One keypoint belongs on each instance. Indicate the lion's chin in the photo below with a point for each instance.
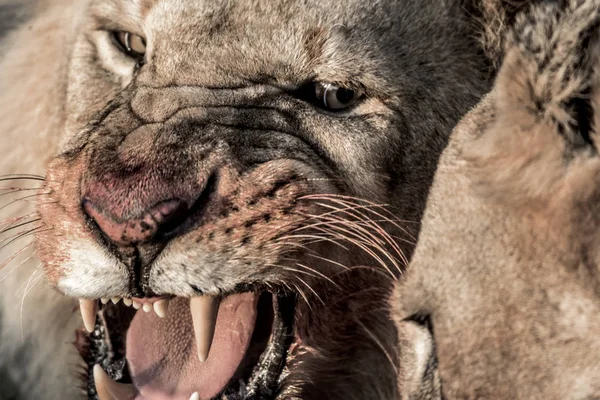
(199, 348)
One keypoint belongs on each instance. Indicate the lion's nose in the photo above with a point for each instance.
(151, 225)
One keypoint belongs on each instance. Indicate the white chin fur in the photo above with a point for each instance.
(92, 272)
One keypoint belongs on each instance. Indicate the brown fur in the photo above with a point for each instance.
(502, 297)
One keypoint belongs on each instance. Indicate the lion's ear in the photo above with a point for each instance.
(494, 17)
(546, 103)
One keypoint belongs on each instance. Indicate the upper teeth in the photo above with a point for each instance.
(204, 310)
(89, 307)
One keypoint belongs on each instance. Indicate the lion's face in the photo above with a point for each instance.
(502, 297)
(223, 164)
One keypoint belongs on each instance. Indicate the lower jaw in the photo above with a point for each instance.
(258, 376)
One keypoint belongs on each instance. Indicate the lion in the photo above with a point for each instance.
(249, 175)
(502, 297)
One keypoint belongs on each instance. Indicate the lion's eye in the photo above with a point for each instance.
(335, 98)
(133, 45)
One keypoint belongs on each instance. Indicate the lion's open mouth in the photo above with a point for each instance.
(234, 347)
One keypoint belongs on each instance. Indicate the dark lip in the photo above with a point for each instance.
(257, 380)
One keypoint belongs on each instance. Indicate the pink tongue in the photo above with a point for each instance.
(162, 353)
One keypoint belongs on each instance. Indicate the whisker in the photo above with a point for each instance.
(20, 188)
(282, 282)
(303, 295)
(23, 198)
(387, 240)
(311, 289)
(300, 246)
(311, 217)
(318, 238)
(25, 293)
(327, 221)
(319, 274)
(365, 244)
(16, 267)
(22, 286)
(380, 345)
(365, 218)
(369, 251)
(16, 254)
(15, 234)
(15, 190)
(19, 225)
(28, 233)
(291, 269)
(306, 242)
(355, 212)
(9, 221)
(329, 261)
(47, 202)
(366, 267)
(341, 199)
(359, 293)
(20, 177)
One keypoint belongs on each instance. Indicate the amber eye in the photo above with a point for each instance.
(131, 44)
(336, 98)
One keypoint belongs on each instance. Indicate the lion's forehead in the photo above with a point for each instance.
(191, 21)
(289, 39)
(270, 14)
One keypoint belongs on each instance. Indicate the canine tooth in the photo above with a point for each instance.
(147, 307)
(160, 308)
(104, 300)
(88, 314)
(195, 396)
(204, 311)
(137, 305)
(110, 390)
(115, 300)
(128, 302)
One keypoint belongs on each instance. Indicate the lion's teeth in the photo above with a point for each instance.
(115, 300)
(88, 313)
(160, 308)
(195, 396)
(110, 390)
(104, 300)
(147, 307)
(204, 311)
(137, 305)
(128, 302)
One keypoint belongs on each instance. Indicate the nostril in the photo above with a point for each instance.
(169, 215)
(162, 218)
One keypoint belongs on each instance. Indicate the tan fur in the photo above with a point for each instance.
(502, 297)
(29, 141)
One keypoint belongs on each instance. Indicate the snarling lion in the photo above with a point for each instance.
(249, 173)
(502, 297)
